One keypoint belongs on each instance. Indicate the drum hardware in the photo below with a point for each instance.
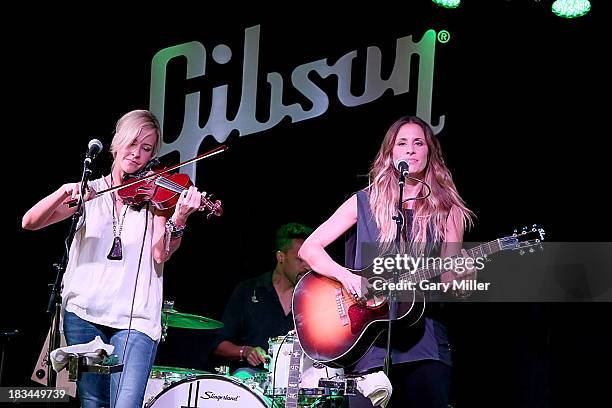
(223, 370)
(77, 365)
(341, 385)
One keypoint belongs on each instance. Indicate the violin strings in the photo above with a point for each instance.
(167, 183)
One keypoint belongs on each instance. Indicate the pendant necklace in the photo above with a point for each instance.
(116, 251)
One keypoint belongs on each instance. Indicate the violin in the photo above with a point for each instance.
(163, 192)
(161, 189)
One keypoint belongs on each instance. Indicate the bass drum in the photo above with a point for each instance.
(209, 390)
(162, 377)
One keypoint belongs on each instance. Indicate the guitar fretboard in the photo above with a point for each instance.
(293, 385)
(434, 267)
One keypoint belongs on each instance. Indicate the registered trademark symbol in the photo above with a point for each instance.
(443, 36)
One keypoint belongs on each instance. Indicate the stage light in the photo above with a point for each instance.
(447, 3)
(571, 8)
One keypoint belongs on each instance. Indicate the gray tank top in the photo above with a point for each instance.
(429, 341)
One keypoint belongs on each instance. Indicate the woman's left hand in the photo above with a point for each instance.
(463, 272)
(189, 202)
(466, 270)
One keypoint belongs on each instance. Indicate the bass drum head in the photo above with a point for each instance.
(209, 390)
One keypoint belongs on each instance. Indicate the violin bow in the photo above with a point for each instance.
(210, 153)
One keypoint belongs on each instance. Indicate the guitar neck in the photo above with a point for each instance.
(435, 267)
(293, 383)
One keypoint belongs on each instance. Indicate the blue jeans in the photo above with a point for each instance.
(95, 390)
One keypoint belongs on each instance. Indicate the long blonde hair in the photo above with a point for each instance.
(429, 214)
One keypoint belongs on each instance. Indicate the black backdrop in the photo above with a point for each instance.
(518, 86)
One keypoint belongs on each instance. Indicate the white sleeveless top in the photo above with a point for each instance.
(100, 290)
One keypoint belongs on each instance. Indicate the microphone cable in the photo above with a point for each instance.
(144, 237)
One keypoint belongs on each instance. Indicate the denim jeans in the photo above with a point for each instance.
(96, 390)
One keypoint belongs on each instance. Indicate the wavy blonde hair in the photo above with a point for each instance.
(429, 214)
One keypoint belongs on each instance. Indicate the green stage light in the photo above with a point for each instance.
(571, 8)
(447, 3)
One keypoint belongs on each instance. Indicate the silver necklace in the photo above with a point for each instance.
(116, 251)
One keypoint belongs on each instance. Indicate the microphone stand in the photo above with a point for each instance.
(392, 297)
(54, 306)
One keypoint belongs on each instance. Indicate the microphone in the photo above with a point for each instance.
(402, 166)
(93, 148)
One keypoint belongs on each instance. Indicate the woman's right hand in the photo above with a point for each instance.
(72, 191)
(354, 284)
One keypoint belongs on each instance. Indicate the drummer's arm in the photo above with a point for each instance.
(228, 350)
(234, 323)
(253, 355)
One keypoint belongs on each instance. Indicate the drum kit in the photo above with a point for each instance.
(290, 378)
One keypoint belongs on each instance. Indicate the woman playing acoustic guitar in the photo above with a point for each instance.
(421, 372)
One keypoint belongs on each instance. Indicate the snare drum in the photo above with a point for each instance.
(209, 390)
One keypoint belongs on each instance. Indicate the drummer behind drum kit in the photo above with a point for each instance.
(292, 379)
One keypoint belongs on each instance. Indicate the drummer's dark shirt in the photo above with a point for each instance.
(254, 314)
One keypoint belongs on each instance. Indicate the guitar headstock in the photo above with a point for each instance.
(208, 204)
(525, 240)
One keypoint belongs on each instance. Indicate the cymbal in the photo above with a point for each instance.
(172, 318)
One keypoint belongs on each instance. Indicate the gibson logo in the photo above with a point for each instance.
(211, 395)
(219, 125)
